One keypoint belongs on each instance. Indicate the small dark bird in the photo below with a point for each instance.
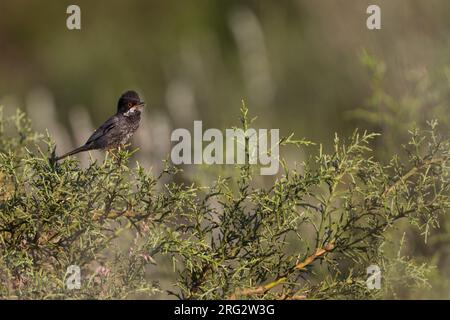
(118, 129)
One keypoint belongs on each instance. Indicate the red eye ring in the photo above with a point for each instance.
(129, 105)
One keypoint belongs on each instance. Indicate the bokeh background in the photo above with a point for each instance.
(296, 63)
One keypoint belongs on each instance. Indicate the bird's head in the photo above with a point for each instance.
(130, 102)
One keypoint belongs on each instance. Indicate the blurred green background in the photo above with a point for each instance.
(295, 62)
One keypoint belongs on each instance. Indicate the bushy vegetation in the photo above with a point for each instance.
(393, 113)
(311, 234)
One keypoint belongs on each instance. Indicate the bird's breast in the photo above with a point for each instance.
(131, 124)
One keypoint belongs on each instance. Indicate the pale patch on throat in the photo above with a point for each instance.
(133, 110)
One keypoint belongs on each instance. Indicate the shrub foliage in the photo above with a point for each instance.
(311, 233)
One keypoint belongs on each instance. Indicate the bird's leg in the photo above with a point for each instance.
(110, 151)
(119, 157)
(115, 154)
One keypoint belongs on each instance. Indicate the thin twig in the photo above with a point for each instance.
(412, 172)
(281, 279)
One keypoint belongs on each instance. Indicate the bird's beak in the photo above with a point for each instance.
(140, 105)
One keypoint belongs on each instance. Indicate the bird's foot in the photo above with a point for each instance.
(115, 155)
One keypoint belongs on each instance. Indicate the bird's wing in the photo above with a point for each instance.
(103, 129)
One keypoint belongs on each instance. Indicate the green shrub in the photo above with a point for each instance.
(393, 111)
(311, 234)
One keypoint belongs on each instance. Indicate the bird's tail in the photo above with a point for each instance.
(75, 151)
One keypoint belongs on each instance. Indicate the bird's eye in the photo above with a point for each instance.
(129, 105)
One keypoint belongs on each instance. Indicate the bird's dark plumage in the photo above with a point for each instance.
(118, 129)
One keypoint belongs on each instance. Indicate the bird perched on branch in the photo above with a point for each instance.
(117, 130)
